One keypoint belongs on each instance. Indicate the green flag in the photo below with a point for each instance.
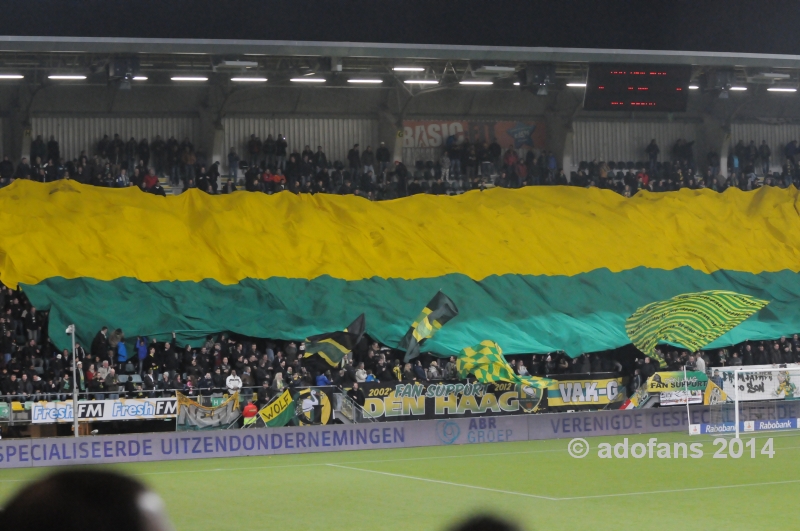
(279, 412)
(334, 346)
(486, 362)
(693, 319)
(432, 317)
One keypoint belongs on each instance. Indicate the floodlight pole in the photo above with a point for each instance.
(686, 391)
(71, 331)
(736, 400)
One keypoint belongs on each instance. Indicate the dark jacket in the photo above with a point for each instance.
(367, 158)
(353, 158)
(382, 155)
(99, 346)
(111, 383)
(357, 395)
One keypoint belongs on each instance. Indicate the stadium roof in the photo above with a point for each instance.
(711, 32)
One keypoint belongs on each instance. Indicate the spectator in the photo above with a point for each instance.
(233, 383)
(647, 368)
(451, 370)
(700, 364)
(254, 150)
(764, 153)
(53, 151)
(324, 378)
(233, 163)
(354, 160)
(33, 324)
(278, 383)
(357, 395)
(100, 343)
(270, 150)
(112, 384)
(103, 370)
(433, 371)
(652, 152)
(361, 373)
(368, 160)
(419, 372)
(280, 152)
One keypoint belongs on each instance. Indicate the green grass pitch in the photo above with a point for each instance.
(535, 483)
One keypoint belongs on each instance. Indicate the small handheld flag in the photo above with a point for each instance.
(432, 317)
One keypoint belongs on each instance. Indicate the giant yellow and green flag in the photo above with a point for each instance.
(538, 269)
(485, 361)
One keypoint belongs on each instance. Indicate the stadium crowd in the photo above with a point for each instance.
(32, 369)
(749, 167)
(270, 166)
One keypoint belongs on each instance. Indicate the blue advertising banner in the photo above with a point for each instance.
(749, 426)
(17, 453)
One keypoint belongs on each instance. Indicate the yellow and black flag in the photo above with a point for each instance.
(434, 316)
(332, 347)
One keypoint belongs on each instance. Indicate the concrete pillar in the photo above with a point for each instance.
(724, 150)
(713, 135)
(566, 155)
(17, 127)
(25, 139)
(399, 139)
(206, 142)
(559, 138)
(16, 136)
(218, 151)
(390, 129)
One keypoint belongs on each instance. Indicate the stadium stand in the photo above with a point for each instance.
(161, 167)
(32, 369)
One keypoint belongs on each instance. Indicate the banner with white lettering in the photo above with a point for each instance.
(782, 384)
(437, 400)
(100, 410)
(675, 398)
(575, 392)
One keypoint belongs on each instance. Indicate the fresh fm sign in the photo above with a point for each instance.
(101, 410)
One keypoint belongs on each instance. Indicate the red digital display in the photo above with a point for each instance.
(652, 88)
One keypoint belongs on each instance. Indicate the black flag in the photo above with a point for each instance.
(332, 347)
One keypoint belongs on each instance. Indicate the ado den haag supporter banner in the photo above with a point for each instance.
(98, 410)
(578, 393)
(435, 133)
(672, 381)
(407, 401)
(401, 401)
(777, 385)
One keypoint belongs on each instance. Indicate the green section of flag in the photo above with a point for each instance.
(433, 316)
(334, 346)
(523, 313)
(693, 319)
(486, 362)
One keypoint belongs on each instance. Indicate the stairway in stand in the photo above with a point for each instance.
(168, 188)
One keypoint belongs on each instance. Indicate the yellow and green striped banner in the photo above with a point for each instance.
(692, 320)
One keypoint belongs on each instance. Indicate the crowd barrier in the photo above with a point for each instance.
(20, 453)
